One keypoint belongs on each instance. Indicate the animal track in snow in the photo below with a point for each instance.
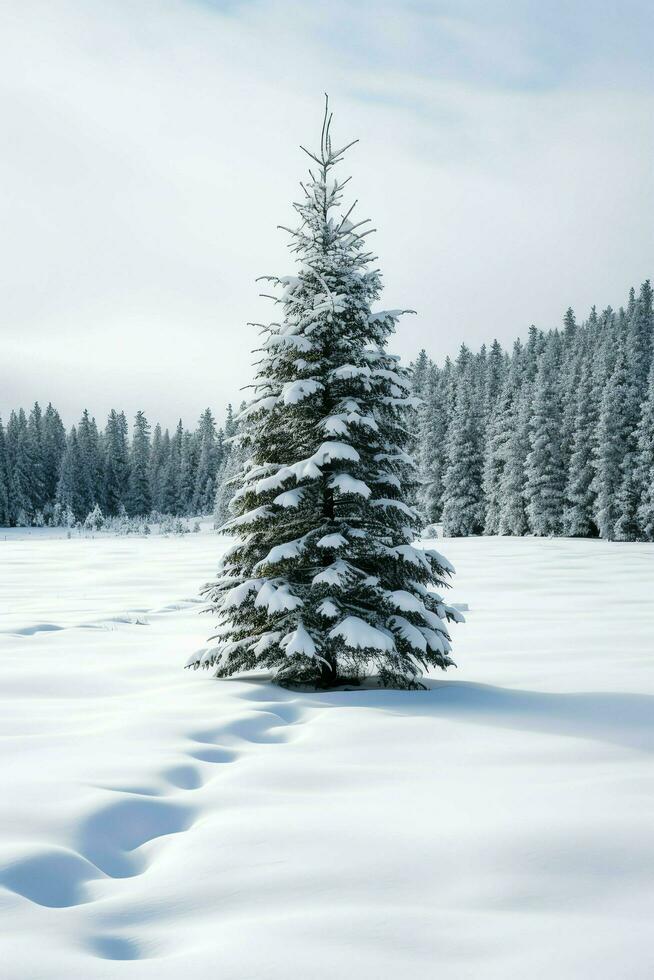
(109, 947)
(111, 838)
(212, 753)
(184, 776)
(51, 876)
(110, 843)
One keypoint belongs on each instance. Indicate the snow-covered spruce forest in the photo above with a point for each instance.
(555, 437)
(105, 478)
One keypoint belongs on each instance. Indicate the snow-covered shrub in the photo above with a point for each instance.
(167, 525)
(94, 520)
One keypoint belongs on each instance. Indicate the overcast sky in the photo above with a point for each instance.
(150, 149)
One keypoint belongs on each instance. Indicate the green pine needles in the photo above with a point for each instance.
(323, 585)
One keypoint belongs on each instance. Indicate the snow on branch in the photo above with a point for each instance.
(357, 634)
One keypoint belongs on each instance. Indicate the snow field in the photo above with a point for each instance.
(159, 823)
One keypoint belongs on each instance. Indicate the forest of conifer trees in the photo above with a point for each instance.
(554, 438)
(51, 477)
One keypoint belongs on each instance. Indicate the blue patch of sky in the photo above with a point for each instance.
(507, 44)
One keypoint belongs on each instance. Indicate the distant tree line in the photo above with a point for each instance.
(50, 476)
(554, 438)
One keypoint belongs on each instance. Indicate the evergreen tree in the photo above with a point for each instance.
(4, 479)
(170, 471)
(612, 439)
(156, 463)
(34, 452)
(569, 378)
(569, 327)
(324, 584)
(186, 482)
(230, 476)
(463, 507)
(71, 490)
(639, 332)
(498, 435)
(495, 375)
(139, 499)
(116, 463)
(645, 464)
(234, 458)
(579, 512)
(18, 455)
(204, 490)
(532, 352)
(640, 329)
(162, 490)
(90, 489)
(94, 520)
(420, 373)
(54, 446)
(432, 444)
(513, 513)
(544, 473)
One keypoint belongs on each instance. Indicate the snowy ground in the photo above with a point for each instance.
(160, 824)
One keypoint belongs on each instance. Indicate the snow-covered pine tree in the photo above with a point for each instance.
(463, 503)
(545, 478)
(35, 460)
(612, 441)
(54, 446)
(94, 520)
(156, 462)
(533, 349)
(495, 375)
(569, 374)
(420, 373)
(139, 499)
(166, 497)
(16, 441)
(323, 584)
(569, 327)
(513, 514)
(415, 416)
(645, 466)
(638, 356)
(431, 447)
(116, 462)
(204, 491)
(235, 456)
(579, 511)
(90, 489)
(71, 494)
(640, 330)
(498, 435)
(186, 476)
(4, 479)
(170, 478)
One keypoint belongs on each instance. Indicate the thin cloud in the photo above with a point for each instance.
(151, 151)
